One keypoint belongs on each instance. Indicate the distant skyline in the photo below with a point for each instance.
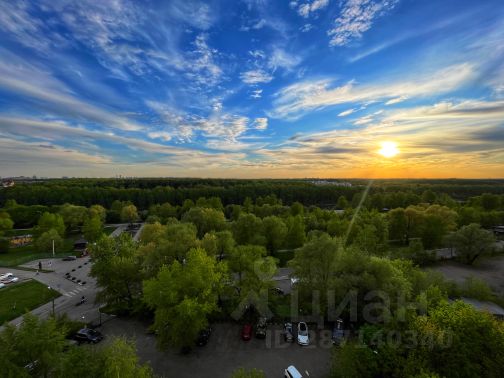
(252, 88)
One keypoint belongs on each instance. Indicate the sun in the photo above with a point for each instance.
(388, 149)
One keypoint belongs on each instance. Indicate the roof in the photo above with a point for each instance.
(81, 241)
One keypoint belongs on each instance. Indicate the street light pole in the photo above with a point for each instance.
(52, 299)
(53, 248)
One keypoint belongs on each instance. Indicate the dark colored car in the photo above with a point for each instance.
(246, 333)
(287, 333)
(260, 331)
(69, 258)
(203, 336)
(88, 335)
(338, 334)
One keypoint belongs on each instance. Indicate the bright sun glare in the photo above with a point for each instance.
(388, 149)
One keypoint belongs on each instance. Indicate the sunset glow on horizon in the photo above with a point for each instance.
(252, 89)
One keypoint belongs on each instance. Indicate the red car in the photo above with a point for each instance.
(246, 333)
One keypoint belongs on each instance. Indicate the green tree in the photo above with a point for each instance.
(117, 358)
(337, 226)
(44, 242)
(73, 216)
(116, 267)
(99, 211)
(50, 221)
(315, 265)
(295, 232)
(6, 222)
(129, 214)
(205, 219)
(275, 232)
(152, 233)
(248, 229)
(297, 208)
(342, 203)
(177, 240)
(35, 341)
(93, 228)
(120, 360)
(398, 224)
(183, 295)
(471, 242)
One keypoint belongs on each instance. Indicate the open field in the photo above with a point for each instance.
(18, 298)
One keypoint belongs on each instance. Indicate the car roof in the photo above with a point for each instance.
(294, 372)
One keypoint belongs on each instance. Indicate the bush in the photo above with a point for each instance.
(4, 245)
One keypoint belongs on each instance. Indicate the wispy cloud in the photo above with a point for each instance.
(256, 77)
(299, 98)
(306, 9)
(357, 17)
(261, 123)
(346, 112)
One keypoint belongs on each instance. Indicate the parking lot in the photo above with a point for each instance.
(225, 352)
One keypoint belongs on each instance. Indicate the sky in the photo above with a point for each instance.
(252, 88)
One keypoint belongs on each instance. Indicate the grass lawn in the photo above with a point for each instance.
(21, 255)
(16, 299)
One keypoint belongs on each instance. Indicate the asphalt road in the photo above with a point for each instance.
(226, 352)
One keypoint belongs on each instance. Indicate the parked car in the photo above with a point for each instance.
(287, 332)
(292, 372)
(69, 258)
(8, 278)
(203, 336)
(278, 291)
(246, 333)
(88, 335)
(338, 334)
(303, 337)
(260, 331)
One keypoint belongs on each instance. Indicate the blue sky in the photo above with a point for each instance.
(252, 88)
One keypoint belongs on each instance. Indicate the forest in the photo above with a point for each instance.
(211, 246)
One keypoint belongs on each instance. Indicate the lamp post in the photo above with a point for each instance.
(52, 298)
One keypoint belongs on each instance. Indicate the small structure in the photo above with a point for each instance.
(80, 245)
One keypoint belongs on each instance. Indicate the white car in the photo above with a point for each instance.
(292, 372)
(303, 336)
(8, 278)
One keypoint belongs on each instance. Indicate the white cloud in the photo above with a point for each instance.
(20, 77)
(306, 28)
(261, 123)
(256, 77)
(396, 100)
(356, 17)
(346, 112)
(294, 100)
(256, 93)
(163, 135)
(279, 58)
(307, 8)
(258, 54)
